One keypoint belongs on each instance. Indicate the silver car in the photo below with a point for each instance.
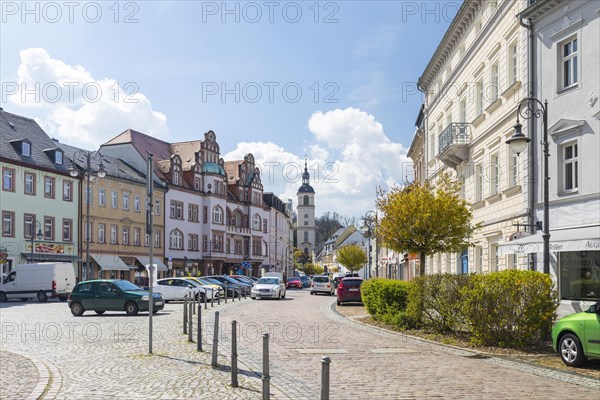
(322, 284)
(270, 287)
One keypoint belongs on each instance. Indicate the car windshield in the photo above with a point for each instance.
(320, 279)
(193, 282)
(294, 279)
(127, 286)
(268, 281)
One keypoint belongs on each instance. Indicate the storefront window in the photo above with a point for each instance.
(579, 275)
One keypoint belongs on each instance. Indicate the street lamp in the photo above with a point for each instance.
(74, 171)
(370, 219)
(39, 235)
(533, 108)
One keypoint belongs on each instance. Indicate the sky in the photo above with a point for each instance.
(332, 82)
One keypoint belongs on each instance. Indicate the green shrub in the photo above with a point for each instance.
(509, 308)
(386, 300)
(436, 303)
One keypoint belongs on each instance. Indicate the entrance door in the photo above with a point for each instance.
(464, 259)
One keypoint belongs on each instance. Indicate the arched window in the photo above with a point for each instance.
(176, 239)
(256, 223)
(306, 236)
(305, 199)
(217, 215)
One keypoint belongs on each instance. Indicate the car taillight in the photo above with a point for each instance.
(53, 286)
(328, 285)
(340, 286)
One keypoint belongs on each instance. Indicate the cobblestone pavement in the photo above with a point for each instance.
(106, 357)
(19, 376)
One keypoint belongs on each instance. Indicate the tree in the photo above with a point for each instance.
(352, 257)
(312, 269)
(425, 218)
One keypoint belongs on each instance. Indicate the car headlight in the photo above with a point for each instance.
(145, 298)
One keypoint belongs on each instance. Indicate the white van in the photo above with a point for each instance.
(41, 280)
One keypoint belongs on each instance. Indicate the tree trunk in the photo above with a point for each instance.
(422, 264)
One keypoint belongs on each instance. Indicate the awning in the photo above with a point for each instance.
(145, 261)
(109, 262)
(50, 257)
(576, 239)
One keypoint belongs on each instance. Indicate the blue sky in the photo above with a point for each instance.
(328, 80)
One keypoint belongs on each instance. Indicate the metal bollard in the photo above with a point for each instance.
(226, 290)
(266, 378)
(234, 369)
(219, 297)
(191, 320)
(185, 314)
(215, 344)
(199, 337)
(206, 298)
(240, 293)
(194, 304)
(325, 361)
(212, 300)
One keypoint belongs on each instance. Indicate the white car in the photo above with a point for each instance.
(177, 288)
(322, 284)
(268, 287)
(205, 290)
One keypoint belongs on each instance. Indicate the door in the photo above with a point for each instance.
(9, 285)
(108, 297)
(464, 261)
(164, 287)
(592, 332)
(86, 295)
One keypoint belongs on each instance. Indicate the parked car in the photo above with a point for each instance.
(348, 291)
(322, 284)
(175, 289)
(244, 279)
(210, 285)
(208, 291)
(231, 282)
(306, 281)
(112, 295)
(576, 337)
(231, 290)
(41, 280)
(294, 282)
(268, 287)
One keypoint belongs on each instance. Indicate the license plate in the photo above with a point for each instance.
(353, 290)
(158, 303)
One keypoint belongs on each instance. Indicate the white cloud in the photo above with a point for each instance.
(352, 156)
(76, 108)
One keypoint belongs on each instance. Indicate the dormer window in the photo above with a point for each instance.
(58, 157)
(26, 149)
(176, 177)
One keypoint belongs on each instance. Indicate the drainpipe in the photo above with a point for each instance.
(531, 127)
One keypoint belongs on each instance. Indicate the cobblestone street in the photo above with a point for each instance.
(47, 352)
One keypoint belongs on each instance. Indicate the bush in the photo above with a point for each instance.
(436, 303)
(386, 300)
(509, 308)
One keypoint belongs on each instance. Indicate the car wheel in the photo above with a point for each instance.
(3, 298)
(99, 312)
(155, 311)
(311, 292)
(77, 309)
(200, 297)
(571, 352)
(42, 297)
(283, 297)
(131, 308)
(279, 295)
(24, 299)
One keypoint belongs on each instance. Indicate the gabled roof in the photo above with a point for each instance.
(14, 129)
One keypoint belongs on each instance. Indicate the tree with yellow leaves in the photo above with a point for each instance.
(351, 257)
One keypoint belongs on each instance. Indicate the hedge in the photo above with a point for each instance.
(386, 300)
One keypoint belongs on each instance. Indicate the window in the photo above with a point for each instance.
(494, 174)
(136, 236)
(479, 98)
(175, 177)
(569, 59)
(125, 236)
(204, 243)
(8, 179)
(67, 227)
(217, 215)
(197, 183)
(114, 199)
(157, 241)
(89, 196)
(58, 157)
(67, 190)
(136, 203)
(494, 82)
(512, 64)
(49, 228)
(29, 226)
(113, 234)
(126, 201)
(176, 209)
(48, 187)
(25, 149)
(462, 111)
(101, 237)
(570, 167)
(256, 222)
(579, 275)
(512, 261)
(205, 214)
(157, 207)
(513, 169)
(306, 236)
(8, 224)
(306, 200)
(265, 226)
(193, 212)
(146, 240)
(192, 242)
(493, 255)
(305, 223)
(102, 197)
(87, 230)
(478, 182)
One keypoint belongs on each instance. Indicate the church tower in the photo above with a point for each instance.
(305, 224)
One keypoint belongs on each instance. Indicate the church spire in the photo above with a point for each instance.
(305, 175)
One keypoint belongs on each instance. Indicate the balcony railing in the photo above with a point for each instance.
(238, 229)
(453, 143)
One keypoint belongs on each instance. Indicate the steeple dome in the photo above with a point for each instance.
(306, 188)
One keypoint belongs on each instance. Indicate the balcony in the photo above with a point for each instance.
(454, 144)
(240, 230)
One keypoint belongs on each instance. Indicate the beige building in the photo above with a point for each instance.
(472, 86)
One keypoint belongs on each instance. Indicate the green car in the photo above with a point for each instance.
(111, 295)
(576, 337)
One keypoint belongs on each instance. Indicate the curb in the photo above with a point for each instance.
(49, 377)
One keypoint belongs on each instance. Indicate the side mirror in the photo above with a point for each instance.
(190, 286)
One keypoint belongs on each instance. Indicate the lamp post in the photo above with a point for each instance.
(370, 222)
(74, 170)
(533, 108)
(39, 235)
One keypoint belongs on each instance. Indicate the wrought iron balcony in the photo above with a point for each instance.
(453, 144)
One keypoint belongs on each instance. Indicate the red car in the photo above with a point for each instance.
(348, 291)
(294, 282)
